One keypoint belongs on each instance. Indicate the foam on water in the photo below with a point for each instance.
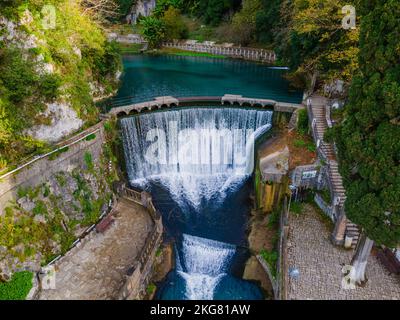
(194, 153)
(198, 155)
(204, 263)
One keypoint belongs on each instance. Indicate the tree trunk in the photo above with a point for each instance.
(360, 259)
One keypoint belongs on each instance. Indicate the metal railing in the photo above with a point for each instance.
(58, 146)
(142, 198)
(327, 209)
(242, 52)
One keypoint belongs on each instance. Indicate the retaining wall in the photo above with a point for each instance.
(40, 168)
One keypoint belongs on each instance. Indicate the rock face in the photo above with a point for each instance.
(51, 215)
(141, 8)
(64, 121)
(68, 80)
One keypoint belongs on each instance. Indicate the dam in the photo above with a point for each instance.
(193, 161)
(197, 163)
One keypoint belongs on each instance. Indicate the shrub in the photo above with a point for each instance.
(299, 143)
(296, 208)
(302, 124)
(40, 208)
(91, 137)
(175, 27)
(153, 30)
(151, 288)
(311, 147)
(274, 218)
(88, 161)
(271, 257)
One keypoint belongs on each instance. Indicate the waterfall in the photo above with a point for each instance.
(198, 155)
(195, 153)
(204, 263)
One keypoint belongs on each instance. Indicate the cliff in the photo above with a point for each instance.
(54, 60)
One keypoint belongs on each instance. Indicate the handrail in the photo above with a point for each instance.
(142, 198)
(235, 51)
(327, 209)
(61, 145)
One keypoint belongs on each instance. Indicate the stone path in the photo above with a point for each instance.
(320, 264)
(97, 270)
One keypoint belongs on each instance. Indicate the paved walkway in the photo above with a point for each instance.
(320, 264)
(97, 270)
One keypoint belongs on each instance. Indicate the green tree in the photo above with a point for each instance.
(368, 139)
(175, 27)
(213, 11)
(163, 5)
(77, 52)
(244, 22)
(267, 20)
(153, 30)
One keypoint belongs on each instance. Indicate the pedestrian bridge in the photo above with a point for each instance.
(227, 100)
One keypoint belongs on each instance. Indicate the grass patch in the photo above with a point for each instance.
(273, 220)
(299, 143)
(46, 191)
(130, 48)
(88, 161)
(270, 257)
(309, 145)
(29, 192)
(18, 287)
(296, 208)
(22, 192)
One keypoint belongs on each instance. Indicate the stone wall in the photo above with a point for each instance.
(137, 282)
(142, 268)
(52, 199)
(67, 156)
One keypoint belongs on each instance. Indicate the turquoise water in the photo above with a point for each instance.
(146, 77)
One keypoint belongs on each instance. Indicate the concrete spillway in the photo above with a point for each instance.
(199, 155)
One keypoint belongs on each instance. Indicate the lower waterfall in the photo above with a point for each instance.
(194, 161)
(203, 264)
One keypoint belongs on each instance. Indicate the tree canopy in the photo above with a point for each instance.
(368, 139)
(310, 38)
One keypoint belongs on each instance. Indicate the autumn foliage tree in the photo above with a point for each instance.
(310, 38)
(175, 27)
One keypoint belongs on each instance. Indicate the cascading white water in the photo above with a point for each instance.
(204, 263)
(195, 154)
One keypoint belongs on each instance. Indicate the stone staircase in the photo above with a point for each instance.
(353, 232)
(318, 112)
(326, 150)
